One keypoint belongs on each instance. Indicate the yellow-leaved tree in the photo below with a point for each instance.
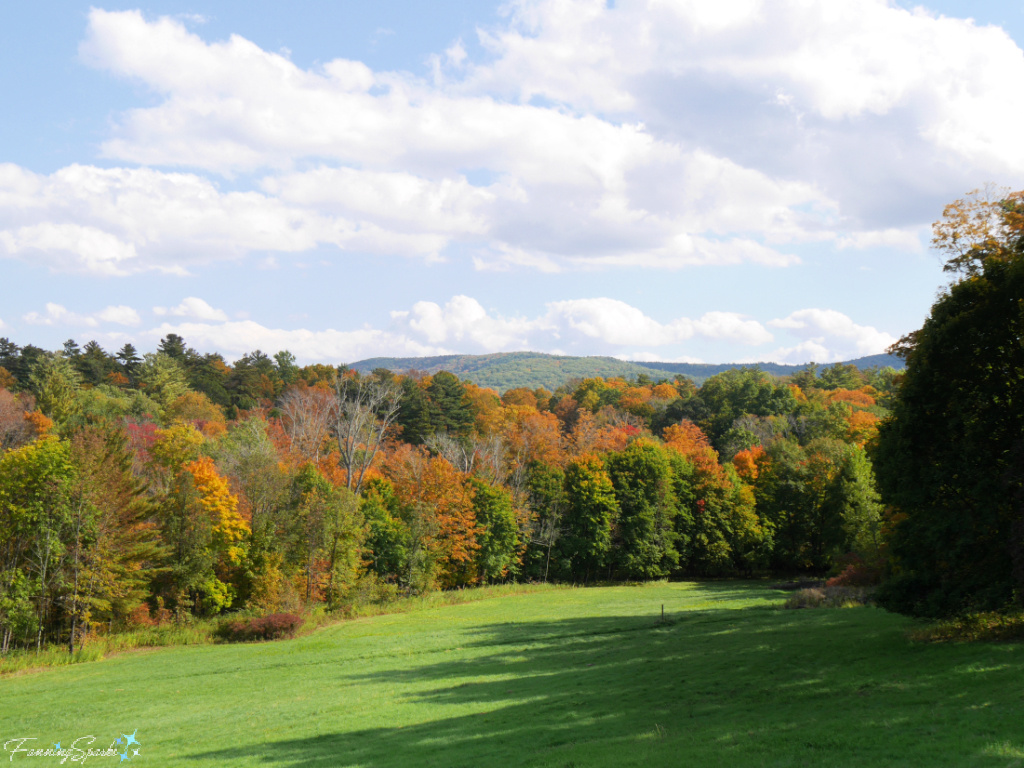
(229, 528)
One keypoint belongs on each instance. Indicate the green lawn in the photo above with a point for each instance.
(562, 677)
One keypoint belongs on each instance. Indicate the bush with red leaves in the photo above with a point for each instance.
(856, 573)
(272, 627)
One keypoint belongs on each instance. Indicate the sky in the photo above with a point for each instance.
(673, 180)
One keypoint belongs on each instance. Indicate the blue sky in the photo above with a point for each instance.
(654, 180)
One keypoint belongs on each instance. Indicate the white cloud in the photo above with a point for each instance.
(121, 221)
(398, 200)
(70, 246)
(661, 134)
(121, 315)
(463, 325)
(872, 103)
(615, 322)
(59, 315)
(610, 322)
(828, 336)
(732, 327)
(570, 189)
(194, 308)
(463, 319)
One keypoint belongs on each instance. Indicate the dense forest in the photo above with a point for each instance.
(136, 489)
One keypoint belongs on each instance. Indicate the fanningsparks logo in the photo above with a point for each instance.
(125, 747)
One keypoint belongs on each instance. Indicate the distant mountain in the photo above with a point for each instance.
(701, 371)
(509, 370)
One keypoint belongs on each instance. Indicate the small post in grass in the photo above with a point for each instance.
(662, 613)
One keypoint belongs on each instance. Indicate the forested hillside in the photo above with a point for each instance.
(509, 370)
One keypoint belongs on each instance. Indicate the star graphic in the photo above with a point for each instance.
(124, 756)
(131, 739)
(57, 746)
(118, 740)
(135, 753)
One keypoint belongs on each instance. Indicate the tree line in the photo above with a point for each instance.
(137, 489)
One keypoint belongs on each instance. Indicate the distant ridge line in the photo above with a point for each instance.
(509, 370)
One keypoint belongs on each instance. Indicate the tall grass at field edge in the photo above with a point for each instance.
(206, 631)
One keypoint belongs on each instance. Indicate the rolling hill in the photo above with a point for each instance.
(508, 370)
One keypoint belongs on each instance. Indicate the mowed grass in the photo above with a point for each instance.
(560, 678)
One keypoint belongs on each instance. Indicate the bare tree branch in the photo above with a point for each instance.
(366, 409)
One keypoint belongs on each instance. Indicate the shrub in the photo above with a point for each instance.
(857, 573)
(273, 627)
(828, 597)
(141, 617)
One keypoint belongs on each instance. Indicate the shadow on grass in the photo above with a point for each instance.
(727, 687)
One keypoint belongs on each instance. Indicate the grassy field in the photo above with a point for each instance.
(559, 678)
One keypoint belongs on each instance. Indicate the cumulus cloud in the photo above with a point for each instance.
(592, 135)
(860, 98)
(59, 315)
(69, 246)
(119, 315)
(569, 188)
(612, 324)
(618, 323)
(194, 308)
(827, 336)
(464, 319)
(120, 221)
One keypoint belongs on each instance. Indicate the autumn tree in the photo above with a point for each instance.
(416, 413)
(94, 364)
(985, 226)
(437, 507)
(308, 415)
(188, 580)
(15, 428)
(114, 546)
(197, 408)
(365, 410)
